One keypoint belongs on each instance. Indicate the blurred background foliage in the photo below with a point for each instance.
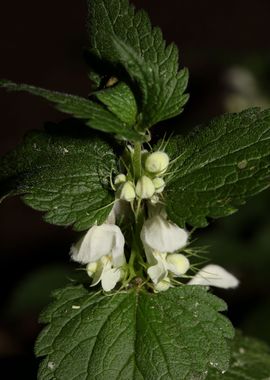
(225, 45)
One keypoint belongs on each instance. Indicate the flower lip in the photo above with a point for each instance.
(214, 275)
(106, 274)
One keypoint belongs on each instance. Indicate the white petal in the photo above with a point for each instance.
(118, 256)
(163, 236)
(99, 241)
(110, 278)
(158, 271)
(96, 277)
(163, 285)
(91, 268)
(177, 263)
(150, 256)
(214, 275)
(111, 219)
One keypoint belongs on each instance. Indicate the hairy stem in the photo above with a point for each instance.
(137, 161)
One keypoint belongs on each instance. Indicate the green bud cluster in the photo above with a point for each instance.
(150, 184)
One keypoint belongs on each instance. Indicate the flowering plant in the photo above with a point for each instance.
(145, 311)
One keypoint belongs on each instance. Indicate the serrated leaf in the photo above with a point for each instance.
(66, 177)
(94, 114)
(250, 361)
(133, 335)
(121, 35)
(120, 101)
(219, 167)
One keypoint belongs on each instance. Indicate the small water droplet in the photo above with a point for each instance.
(242, 164)
(51, 365)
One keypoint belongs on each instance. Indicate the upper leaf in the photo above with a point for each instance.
(95, 115)
(121, 35)
(177, 334)
(120, 101)
(250, 361)
(66, 177)
(217, 168)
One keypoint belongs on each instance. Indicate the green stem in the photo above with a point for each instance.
(137, 161)
(132, 258)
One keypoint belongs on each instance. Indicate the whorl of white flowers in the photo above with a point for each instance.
(102, 248)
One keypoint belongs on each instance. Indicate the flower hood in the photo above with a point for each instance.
(163, 236)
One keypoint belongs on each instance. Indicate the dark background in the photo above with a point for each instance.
(42, 43)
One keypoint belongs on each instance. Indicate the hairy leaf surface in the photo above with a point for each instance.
(67, 178)
(120, 35)
(95, 115)
(218, 167)
(133, 335)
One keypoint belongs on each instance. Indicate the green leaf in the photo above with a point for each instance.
(121, 35)
(120, 101)
(133, 335)
(64, 176)
(219, 167)
(94, 114)
(250, 361)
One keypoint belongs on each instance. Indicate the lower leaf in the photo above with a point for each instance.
(250, 361)
(178, 334)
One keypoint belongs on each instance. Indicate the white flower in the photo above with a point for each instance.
(214, 275)
(99, 241)
(163, 236)
(163, 265)
(145, 187)
(127, 192)
(102, 248)
(157, 162)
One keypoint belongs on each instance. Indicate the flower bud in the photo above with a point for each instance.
(154, 199)
(120, 178)
(177, 264)
(145, 187)
(157, 162)
(91, 268)
(159, 184)
(127, 192)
